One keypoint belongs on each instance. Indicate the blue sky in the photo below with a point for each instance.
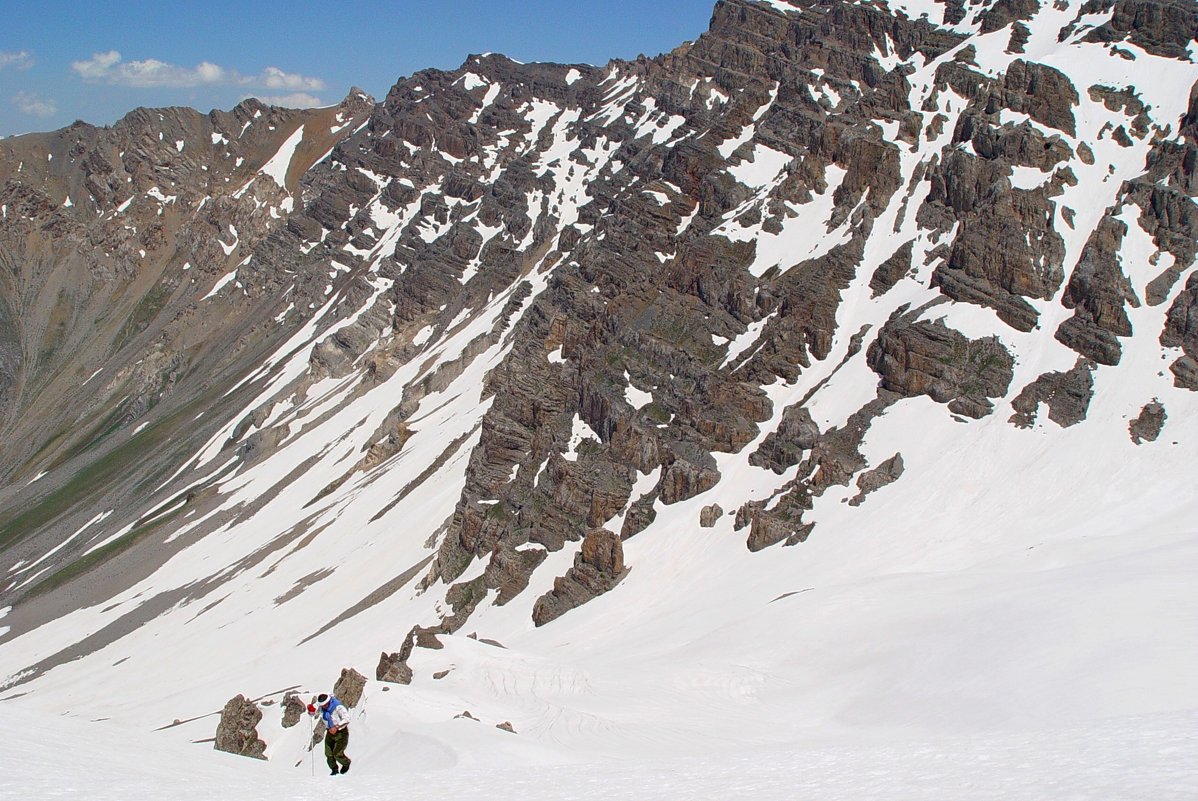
(61, 61)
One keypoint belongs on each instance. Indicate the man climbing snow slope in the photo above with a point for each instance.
(336, 737)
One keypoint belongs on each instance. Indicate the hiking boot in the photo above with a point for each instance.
(345, 767)
(334, 772)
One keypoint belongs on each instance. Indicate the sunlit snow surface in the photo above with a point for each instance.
(1142, 758)
(1016, 618)
(280, 162)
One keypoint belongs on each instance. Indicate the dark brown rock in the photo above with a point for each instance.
(641, 513)
(888, 273)
(1043, 93)
(784, 448)
(834, 459)
(1181, 330)
(1098, 292)
(393, 669)
(1005, 12)
(1006, 249)
(1067, 394)
(598, 567)
(928, 358)
(1162, 27)
(1147, 426)
(509, 571)
(690, 473)
(770, 528)
(887, 472)
(1020, 34)
(1185, 372)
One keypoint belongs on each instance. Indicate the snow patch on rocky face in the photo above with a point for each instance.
(277, 166)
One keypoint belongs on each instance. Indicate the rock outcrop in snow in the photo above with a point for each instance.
(237, 731)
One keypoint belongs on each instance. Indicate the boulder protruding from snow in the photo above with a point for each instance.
(237, 732)
(1147, 427)
(598, 567)
(392, 668)
(349, 687)
(919, 357)
(887, 472)
(293, 709)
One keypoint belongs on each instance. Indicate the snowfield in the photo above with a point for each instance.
(1062, 669)
(1015, 619)
(1124, 759)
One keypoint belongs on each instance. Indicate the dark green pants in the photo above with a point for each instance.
(334, 748)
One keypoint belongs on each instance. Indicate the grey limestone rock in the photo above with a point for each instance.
(237, 732)
(349, 687)
(293, 709)
(710, 514)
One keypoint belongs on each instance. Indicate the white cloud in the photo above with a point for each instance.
(97, 66)
(293, 100)
(275, 78)
(19, 59)
(33, 105)
(110, 68)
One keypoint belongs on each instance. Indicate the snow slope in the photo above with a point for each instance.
(1123, 759)
(1017, 617)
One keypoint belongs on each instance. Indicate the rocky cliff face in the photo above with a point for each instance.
(515, 311)
(121, 308)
